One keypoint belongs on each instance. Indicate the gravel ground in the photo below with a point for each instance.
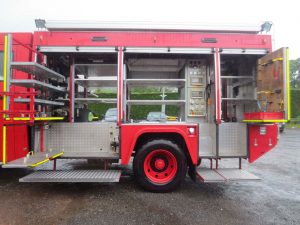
(273, 200)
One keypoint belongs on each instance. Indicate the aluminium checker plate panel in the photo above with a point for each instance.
(85, 140)
(72, 176)
(232, 140)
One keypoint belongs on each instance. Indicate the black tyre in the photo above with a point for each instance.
(160, 166)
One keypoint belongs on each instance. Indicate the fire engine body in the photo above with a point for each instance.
(231, 90)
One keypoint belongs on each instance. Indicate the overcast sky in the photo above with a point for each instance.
(19, 15)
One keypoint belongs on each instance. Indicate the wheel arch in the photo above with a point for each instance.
(171, 136)
(133, 137)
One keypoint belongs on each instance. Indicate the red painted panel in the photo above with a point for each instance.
(17, 136)
(131, 132)
(264, 116)
(152, 39)
(25, 38)
(261, 142)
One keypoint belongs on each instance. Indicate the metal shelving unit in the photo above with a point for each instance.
(38, 101)
(242, 81)
(155, 102)
(238, 99)
(108, 81)
(36, 84)
(156, 82)
(91, 100)
(37, 70)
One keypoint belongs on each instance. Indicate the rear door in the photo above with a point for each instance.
(273, 86)
(273, 100)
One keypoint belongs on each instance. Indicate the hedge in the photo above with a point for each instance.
(138, 112)
(295, 103)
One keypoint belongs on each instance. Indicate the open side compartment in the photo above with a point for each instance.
(169, 86)
(254, 88)
(254, 97)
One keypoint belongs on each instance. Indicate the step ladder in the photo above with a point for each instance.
(223, 175)
(74, 176)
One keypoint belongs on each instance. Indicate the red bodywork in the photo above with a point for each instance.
(260, 142)
(153, 39)
(17, 136)
(131, 132)
(264, 116)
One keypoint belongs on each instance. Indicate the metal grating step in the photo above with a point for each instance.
(74, 176)
(224, 175)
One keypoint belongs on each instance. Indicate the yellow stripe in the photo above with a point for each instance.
(4, 98)
(288, 83)
(39, 163)
(48, 118)
(265, 121)
(36, 118)
(46, 160)
(277, 59)
(57, 155)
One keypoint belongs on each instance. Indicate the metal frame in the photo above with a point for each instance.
(75, 49)
(120, 85)
(217, 85)
(55, 25)
(244, 51)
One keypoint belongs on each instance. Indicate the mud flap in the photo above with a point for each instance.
(224, 175)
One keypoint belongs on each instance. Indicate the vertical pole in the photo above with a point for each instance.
(54, 165)
(4, 100)
(6, 83)
(71, 90)
(163, 106)
(217, 86)
(41, 138)
(240, 163)
(120, 85)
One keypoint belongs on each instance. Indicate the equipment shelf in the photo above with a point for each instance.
(155, 102)
(90, 100)
(155, 82)
(238, 99)
(105, 81)
(39, 101)
(37, 70)
(37, 85)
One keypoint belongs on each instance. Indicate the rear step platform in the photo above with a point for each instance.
(74, 176)
(33, 160)
(224, 175)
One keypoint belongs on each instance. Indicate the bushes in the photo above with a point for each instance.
(295, 103)
(138, 112)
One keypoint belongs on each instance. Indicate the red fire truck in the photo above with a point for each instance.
(223, 87)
